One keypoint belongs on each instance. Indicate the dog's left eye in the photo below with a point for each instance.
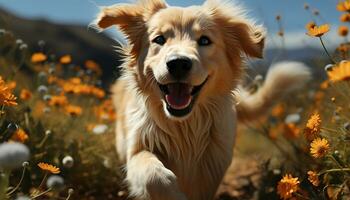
(204, 41)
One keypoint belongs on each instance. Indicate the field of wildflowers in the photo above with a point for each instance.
(56, 128)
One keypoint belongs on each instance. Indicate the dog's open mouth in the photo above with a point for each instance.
(180, 97)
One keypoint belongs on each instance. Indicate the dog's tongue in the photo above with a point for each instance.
(179, 95)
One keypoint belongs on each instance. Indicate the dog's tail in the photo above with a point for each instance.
(281, 78)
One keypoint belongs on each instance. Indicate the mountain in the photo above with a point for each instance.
(79, 41)
(83, 43)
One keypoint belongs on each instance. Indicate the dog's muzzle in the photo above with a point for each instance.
(180, 97)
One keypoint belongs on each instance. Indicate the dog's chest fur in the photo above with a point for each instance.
(193, 149)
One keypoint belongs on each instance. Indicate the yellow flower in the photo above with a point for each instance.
(66, 59)
(345, 17)
(313, 126)
(340, 72)
(310, 25)
(287, 186)
(49, 168)
(58, 100)
(343, 6)
(20, 136)
(318, 31)
(25, 94)
(313, 178)
(319, 147)
(73, 110)
(6, 97)
(38, 57)
(343, 31)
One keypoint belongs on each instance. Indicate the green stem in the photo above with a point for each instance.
(325, 49)
(336, 162)
(300, 196)
(19, 183)
(4, 182)
(43, 181)
(40, 194)
(334, 170)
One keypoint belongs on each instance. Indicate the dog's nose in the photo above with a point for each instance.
(179, 67)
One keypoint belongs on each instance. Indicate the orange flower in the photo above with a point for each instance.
(6, 97)
(25, 94)
(287, 186)
(75, 80)
(38, 57)
(343, 6)
(345, 17)
(11, 85)
(278, 110)
(340, 72)
(20, 136)
(324, 85)
(313, 126)
(73, 110)
(93, 66)
(66, 59)
(318, 31)
(58, 100)
(313, 178)
(105, 111)
(343, 31)
(99, 93)
(319, 147)
(343, 48)
(49, 168)
(291, 131)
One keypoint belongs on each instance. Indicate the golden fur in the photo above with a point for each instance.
(180, 158)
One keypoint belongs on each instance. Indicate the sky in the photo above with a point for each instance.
(294, 17)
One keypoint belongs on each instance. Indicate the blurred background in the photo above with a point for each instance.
(63, 25)
(60, 71)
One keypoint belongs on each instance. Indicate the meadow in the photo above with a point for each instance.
(57, 129)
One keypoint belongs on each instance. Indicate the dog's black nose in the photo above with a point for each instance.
(179, 67)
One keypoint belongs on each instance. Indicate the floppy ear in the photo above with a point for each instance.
(236, 29)
(130, 19)
(250, 37)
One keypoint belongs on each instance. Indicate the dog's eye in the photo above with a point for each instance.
(204, 41)
(159, 40)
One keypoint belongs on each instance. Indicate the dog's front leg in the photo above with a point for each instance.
(148, 178)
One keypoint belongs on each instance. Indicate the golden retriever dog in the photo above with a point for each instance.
(179, 100)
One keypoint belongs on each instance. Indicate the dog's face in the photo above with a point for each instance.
(185, 56)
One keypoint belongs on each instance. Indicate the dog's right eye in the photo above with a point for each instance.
(159, 40)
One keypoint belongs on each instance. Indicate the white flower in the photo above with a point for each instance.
(22, 198)
(55, 182)
(12, 155)
(68, 161)
(42, 89)
(100, 129)
(292, 118)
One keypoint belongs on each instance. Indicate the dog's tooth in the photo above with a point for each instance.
(190, 89)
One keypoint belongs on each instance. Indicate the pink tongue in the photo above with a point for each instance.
(179, 96)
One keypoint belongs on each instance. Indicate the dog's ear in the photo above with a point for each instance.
(236, 29)
(250, 37)
(129, 18)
